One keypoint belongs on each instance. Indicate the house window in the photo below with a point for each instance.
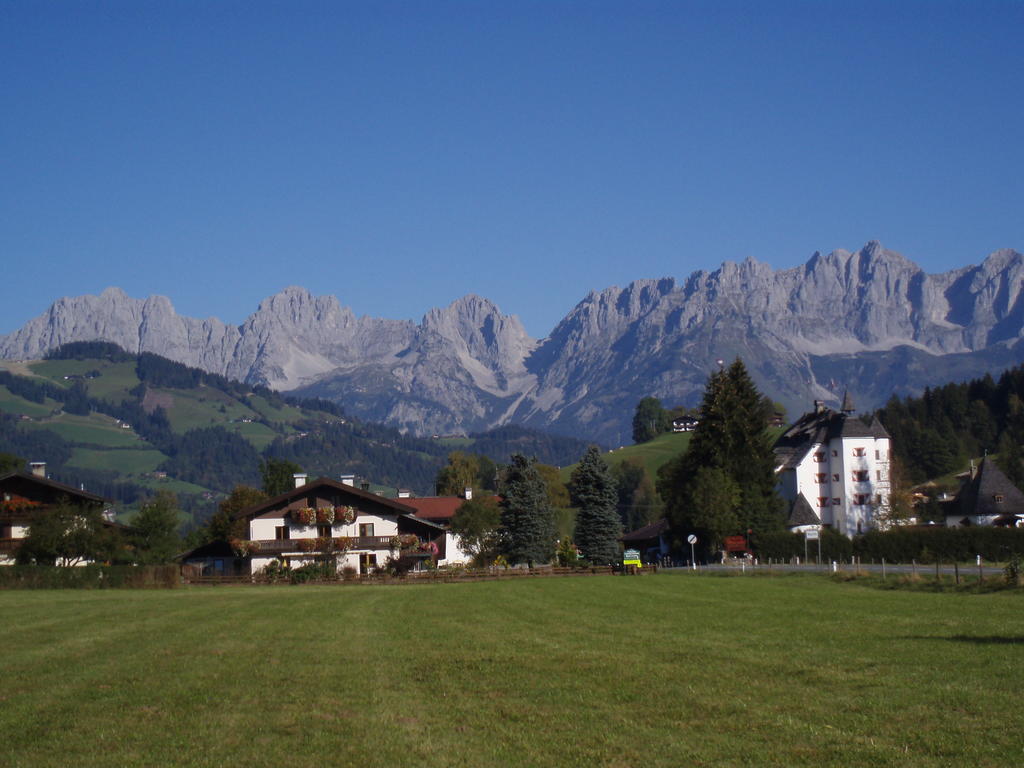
(821, 477)
(878, 474)
(878, 499)
(835, 453)
(367, 562)
(861, 476)
(836, 502)
(822, 501)
(858, 452)
(861, 499)
(323, 530)
(281, 533)
(835, 477)
(878, 455)
(819, 456)
(365, 529)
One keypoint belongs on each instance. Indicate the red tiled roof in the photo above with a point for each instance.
(437, 507)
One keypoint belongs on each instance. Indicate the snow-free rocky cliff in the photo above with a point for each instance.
(871, 321)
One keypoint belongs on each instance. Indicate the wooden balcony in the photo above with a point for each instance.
(279, 546)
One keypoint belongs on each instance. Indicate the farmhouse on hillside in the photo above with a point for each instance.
(833, 469)
(23, 495)
(324, 520)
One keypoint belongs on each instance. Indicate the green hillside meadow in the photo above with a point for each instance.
(665, 670)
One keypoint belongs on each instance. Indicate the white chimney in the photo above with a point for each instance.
(348, 480)
(38, 468)
(467, 492)
(300, 479)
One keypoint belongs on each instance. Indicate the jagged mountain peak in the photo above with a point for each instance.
(468, 366)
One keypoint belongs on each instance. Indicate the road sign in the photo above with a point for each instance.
(691, 539)
(811, 534)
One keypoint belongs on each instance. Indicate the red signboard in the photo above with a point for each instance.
(735, 543)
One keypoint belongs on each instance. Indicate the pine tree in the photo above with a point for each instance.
(527, 519)
(594, 493)
(730, 437)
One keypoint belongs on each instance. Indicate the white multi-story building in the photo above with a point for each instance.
(328, 520)
(838, 464)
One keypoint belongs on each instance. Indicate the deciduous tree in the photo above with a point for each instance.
(155, 530)
(277, 475)
(649, 420)
(67, 534)
(477, 522)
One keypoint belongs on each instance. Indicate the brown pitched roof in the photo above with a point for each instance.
(50, 488)
(323, 482)
(438, 507)
(649, 531)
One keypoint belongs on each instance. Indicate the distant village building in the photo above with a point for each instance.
(685, 424)
(833, 469)
(987, 497)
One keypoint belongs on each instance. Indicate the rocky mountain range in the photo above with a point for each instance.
(871, 321)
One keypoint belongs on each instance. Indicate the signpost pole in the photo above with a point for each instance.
(693, 556)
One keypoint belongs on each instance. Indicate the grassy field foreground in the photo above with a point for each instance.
(664, 670)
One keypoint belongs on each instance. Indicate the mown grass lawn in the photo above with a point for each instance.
(666, 670)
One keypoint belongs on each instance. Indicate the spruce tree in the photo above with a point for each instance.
(595, 495)
(526, 517)
(730, 437)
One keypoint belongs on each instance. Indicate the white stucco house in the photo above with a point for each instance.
(833, 469)
(333, 520)
(23, 495)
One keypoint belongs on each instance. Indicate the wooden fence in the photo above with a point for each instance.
(417, 577)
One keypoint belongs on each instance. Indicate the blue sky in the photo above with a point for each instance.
(399, 155)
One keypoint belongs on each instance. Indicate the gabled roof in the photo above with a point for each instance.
(51, 487)
(978, 496)
(394, 507)
(802, 513)
(323, 482)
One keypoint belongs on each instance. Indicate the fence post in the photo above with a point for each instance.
(883, 569)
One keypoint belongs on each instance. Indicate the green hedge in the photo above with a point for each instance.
(900, 545)
(88, 576)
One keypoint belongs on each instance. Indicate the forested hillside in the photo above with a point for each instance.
(940, 431)
(125, 426)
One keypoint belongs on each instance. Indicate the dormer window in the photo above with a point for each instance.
(997, 498)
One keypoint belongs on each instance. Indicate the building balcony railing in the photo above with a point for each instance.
(278, 546)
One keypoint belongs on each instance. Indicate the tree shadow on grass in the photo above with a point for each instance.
(976, 639)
